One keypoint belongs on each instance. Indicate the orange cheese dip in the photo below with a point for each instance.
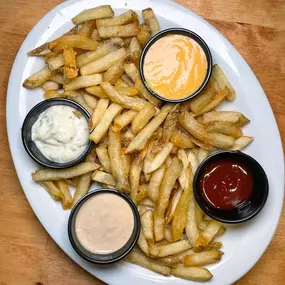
(175, 66)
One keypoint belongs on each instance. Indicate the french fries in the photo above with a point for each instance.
(154, 183)
(172, 207)
(150, 18)
(82, 186)
(192, 231)
(192, 273)
(241, 143)
(202, 258)
(181, 140)
(122, 19)
(83, 81)
(38, 78)
(143, 244)
(58, 174)
(66, 196)
(231, 117)
(99, 112)
(104, 11)
(169, 249)
(135, 172)
(124, 31)
(208, 234)
(170, 123)
(147, 226)
(103, 157)
(87, 29)
(124, 119)
(103, 177)
(70, 69)
(225, 128)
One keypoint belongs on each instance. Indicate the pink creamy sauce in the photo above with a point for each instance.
(104, 223)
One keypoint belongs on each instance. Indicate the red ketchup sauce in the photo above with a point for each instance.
(226, 184)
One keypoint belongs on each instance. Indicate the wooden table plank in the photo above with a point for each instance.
(27, 254)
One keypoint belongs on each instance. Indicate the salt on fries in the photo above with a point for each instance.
(143, 147)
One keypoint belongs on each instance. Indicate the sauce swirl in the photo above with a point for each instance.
(226, 184)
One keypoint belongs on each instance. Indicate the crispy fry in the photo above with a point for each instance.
(147, 226)
(70, 69)
(99, 112)
(135, 172)
(114, 151)
(140, 259)
(127, 91)
(83, 82)
(50, 85)
(235, 118)
(169, 249)
(87, 28)
(124, 31)
(143, 37)
(122, 19)
(142, 243)
(102, 128)
(208, 234)
(143, 136)
(38, 78)
(95, 36)
(192, 273)
(90, 100)
(150, 18)
(103, 177)
(40, 51)
(143, 117)
(104, 11)
(169, 179)
(181, 140)
(103, 63)
(225, 128)
(172, 206)
(58, 174)
(241, 143)
(184, 178)
(155, 182)
(66, 200)
(123, 120)
(170, 123)
(132, 71)
(221, 141)
(192, 231)
(135, 46)
(223, 82)
(202, 154)
(97, 91)
(127, 102)
(143, 192)
(52, 189)
(82, 186)
(103, 156)
(55, 62)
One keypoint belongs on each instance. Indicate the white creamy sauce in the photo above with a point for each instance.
(59, 134)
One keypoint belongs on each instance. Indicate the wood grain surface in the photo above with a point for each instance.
(27, 254)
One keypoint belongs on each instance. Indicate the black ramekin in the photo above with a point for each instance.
(31, 147)
(190, 34)
(246, 210)
(103, 258)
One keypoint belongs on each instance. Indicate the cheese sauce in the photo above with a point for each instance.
(104, 223)
(60, 134)
(175, 66)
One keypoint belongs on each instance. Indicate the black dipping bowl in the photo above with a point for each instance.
(103, 258)
(31, 118)
(186, 33)
(246, 210)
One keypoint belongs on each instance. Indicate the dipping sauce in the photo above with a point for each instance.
(175, 66)
(226, 184)
(60, 133)
(104, 223)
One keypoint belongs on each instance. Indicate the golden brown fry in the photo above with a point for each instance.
(235, 118)
(125, 101)
(99, 112)
(143, 192)
(170, 123)
(90, 100)
(40, 51)
(169, 249)
(58, 174)
(144, 26)
(38, 78)
(87, 28)
(70, 69)
(135, 46)
(83, 82)
(114, 151)
(104, 11)
(208, 234)
(97, 91)
(58, 78)
(124, 31)
(73, 181)
(103, 157)
(172, 173)
(142, 243)
(199, 215)
(127, 137)
(66, 200)
(193, 159)
(127, 91)
(135, 173)
(102, 128)
(55, 62)
(202, 154)
(140, 259)
(172, 206)
(146, 202)
(147, 225)
(241, 143)
(50, 85)
(103, 63)
(143, 117)
(184, 178)
(192, 273)
(150, 18)
(192, 126)
(132, 71)
(103, 177)
(155, 182)
(182, 140)
(122, 19)
(144, 135)
(221, 141)
(52, 189)
(53, 94)
(95, 36)
(102, 50)
(82, 186)
(223, 82)
(225, 128)
(123, 120)
(143, 37)
(192, 231)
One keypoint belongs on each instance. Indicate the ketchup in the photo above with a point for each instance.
(226, 184)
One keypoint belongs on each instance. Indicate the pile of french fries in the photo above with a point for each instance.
(142, 147)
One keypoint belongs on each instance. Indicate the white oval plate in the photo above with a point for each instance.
(243, 244)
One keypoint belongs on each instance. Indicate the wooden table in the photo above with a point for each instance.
(27, 254)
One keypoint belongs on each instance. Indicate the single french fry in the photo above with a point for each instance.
(192, 273)
(202, 154)
(135, 46)
(123, 120)
(172, 206)
(122, 19)
(127, 91)
(142, 243)
(103, 63)
(182, 140)
(40, 51)
(124, 31)
(135, 173)
(132, 71)
(58, 78)
(241, 143)
(208, 234)
(55, 62)
(82, 186)
(38, 78)
(127, 80)
(52, 189)
(58, 174)
(90, 100)
(202, 258)
(150, 18)
(102, 128)
(114, 151)
(155, 182)
(169, 179)
(70, 69)
(143, 192)
(147, 225)
(143, 37)
(170, 123)
(225, 128)
(50, 85)
(103, 177)
(83, 82)
(66, 200)
(143, 136)
(221, 140)
(103, 157)
(87, 28)
(143, 117)
(104, 11)
(169, 249)
(99, 112)
(97, 91)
